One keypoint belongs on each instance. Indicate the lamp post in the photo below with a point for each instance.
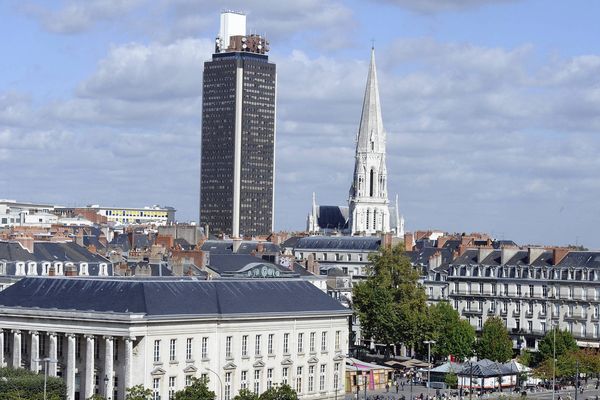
(553, 361)
(106, 386)
(429, 343)
(46, 361)
(220, 381)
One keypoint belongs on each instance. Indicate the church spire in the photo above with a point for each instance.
(368, 201)
(371, 136)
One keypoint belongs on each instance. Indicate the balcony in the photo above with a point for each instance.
(504, 312)
(578, 316)
(529, 314)
(542, 315)
(516, 313)
(472, 311)
(491, 311)
(555, 316)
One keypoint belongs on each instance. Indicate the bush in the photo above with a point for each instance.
(24, 384)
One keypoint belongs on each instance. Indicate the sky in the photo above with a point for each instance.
(491, 107)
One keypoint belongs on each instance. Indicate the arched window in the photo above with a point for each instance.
(368, 215)
(371, 183)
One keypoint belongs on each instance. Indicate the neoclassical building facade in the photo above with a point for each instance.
(105, 335)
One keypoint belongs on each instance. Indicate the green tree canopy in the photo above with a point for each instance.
(495, 343)
(565, 343)
(198, 390)
(452, 335)
(279, 392)
(24, 384)
(390, 303)
(246, 394)
(138, 392)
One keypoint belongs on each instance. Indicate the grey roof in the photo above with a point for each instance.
(232, 263)
(422, 256)
(487, 368)
(246, 247)
(332, 217)
(49, 251)
(163, 297)
(360, 243)
(588, 259)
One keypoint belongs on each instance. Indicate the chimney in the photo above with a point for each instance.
(533, 253)
(260, 247)
(506, 253)
(26, 242)
(387, 240)
(441, 241)
(435, 260)
(461, 249)
(408, 241)
(52, 271)
(79, 237)
(483, 252)
(558, 254)
(70, 270)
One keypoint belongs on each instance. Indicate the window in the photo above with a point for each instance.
(204, 378)
(311, 378)
(156, 389)
(256, 381)
(529, 326)
(269, 378)
(322, 377)
(323, 341)
(543, 326)
(157, 351)
(204, 348)
(519, 290)
(257, 345)
(77, 347)
(300, 344)
(505, 292)
(245, 346)
(244, 380)
(336, 376)
(312, 342)
(570, 293)
(531, 291)
(337, 340)
(299, 380)
(284, 375)
(228, 346)
(188, 349)
(172, 349)
(544, 309)
(270, 344)
(227, 386)
(286, 343)
(479, 322)
(171, 387)
(188, 380)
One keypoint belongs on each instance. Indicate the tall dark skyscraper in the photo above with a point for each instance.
(238, 133)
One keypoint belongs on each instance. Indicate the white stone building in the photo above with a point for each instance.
(110, 334)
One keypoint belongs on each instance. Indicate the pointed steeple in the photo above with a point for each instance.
(371, 136)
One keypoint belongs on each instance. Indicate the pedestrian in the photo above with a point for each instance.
(387, 387)
(397, 386)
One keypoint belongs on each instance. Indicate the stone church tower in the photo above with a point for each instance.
(368, 203)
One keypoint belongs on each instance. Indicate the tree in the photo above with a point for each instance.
(96, 396)
(390, 303)
(138, 392)
(452, 335)
(451, 380)
(246, 394)
(198, 390)
(495, 343)
(24, 384)
(565, 343)
(282, 392)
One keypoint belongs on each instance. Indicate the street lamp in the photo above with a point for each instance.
(553, 360)
(429, 343)
(220, 381)
(46, 361)
(106, 386)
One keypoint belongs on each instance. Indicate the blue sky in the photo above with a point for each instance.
(491, 106)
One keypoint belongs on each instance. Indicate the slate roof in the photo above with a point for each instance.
(487, 368)
(246, 247)
(332, 217)
(49, 251)
(421, 257)
(170, 297)
(231, 263)
(360, 243)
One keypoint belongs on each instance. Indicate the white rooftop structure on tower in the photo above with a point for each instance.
(232, 24)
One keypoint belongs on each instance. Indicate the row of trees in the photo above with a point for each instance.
(392, 308)
(199, 390)
(24, 384)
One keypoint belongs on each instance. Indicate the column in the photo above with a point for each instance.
(89, 367)
(52, 354)
(2, 362)
(34, 352)
(108, 367)
(16, 356)
(128, 361)
(70, 373)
